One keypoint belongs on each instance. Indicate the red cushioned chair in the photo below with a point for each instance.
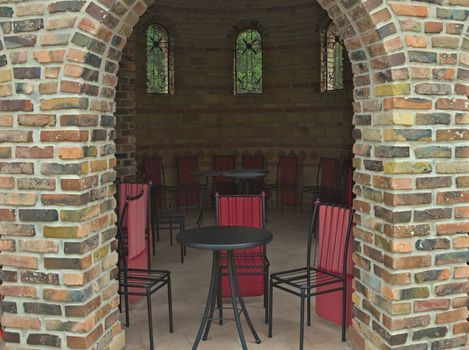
(138, 282)
(153, 170)
(326, 268)
(221, 184)
(286, 185)
(327, 182)
(188, 187)
(132, 189)
(252, 264)
(255, 162)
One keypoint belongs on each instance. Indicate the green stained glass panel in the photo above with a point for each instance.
(248, 60)
(157, 60)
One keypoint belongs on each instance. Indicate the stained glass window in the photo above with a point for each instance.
(332, 59)
(248, 62)
(158, 60)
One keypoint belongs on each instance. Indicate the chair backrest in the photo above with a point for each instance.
(347, 178)
(244, 210)
(132, 189)
(287, 171)
(253, 162)
(185, 165)
(332, 226)
(136, 226)
(328, 173)
(223, 163)
(126, 217)
(154, 172)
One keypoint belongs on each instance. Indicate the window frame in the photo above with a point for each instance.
(235, 58)
(326, 51)
(169, 67)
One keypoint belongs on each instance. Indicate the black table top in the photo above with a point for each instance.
(245, 174)
(224, 237)
(207, 173)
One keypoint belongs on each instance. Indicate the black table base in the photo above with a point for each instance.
(235, 296)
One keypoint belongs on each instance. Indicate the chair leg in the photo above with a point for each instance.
(302, 319)
(126, 301)
(344, 308)
(170, 306)
(170, 233)
(150, 320)
(158, 232)
(308, 310)
(271, 300)
(153, 239)
(266, 294)
(220, 298)
(182, 254)
(301, 201)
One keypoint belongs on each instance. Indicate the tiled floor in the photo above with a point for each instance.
(190, 286)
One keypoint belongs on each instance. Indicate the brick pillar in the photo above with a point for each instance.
(411, 67)
(58, 65)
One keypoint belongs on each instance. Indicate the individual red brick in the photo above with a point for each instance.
(453, 104)
(433, 304)
(407, 103)
(36, 119)
(7, 215)
(404, 323)
(20, 322)
(452, 197)
(28, 262)
(452, 316)
(7, 182)
(416, 41)
(433, 27)
(461, 212)
(461, 272)
(75, 342)
(34, 152)
(452, 228)
(407, 262)
(401, 9)
(64, 136)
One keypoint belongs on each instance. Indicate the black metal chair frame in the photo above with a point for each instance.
(304, 281)
(316, 190)
(140, 282)
(163, 187)
(279, 187)
(265, 266)
(196, 187)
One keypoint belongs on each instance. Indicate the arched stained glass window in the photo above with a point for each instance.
(248, 62)
(332, 59)
(158, 60)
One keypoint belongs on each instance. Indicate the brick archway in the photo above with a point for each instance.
(58, 65)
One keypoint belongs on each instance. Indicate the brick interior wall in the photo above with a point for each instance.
(204, 116)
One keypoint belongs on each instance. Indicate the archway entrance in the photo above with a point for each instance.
(58, 65)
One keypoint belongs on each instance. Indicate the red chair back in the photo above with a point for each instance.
(288, 170)
(153, 170)
(247, 211)
(224, 163)
(348, 186)
(186, 165)
(328, 172)
(253, 162)
(137, 215)
(136, 219)
(333, 225)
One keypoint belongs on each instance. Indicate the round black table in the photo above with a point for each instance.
(244, 176)
(216, 239)
(208, 174)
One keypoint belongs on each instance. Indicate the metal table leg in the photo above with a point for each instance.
(212, 292)
(200, 219)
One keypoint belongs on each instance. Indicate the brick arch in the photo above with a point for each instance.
(247, 23)
(57, 171)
